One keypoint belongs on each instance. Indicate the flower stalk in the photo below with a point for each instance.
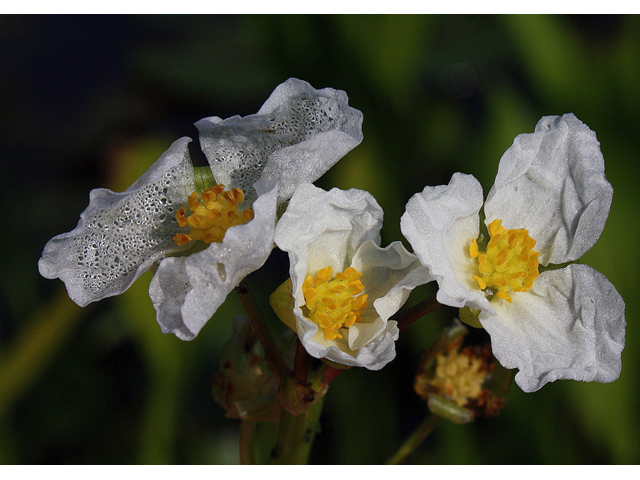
(272, 355)
(247, 434)
(419, 310)
(295, 436)
(415, 440)
(301, 365)
(300, 394)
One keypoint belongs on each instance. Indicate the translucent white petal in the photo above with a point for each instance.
(389, 275)
(187, 291)
(120, 235)
(569, 325)
(552, 183)
(297, 135)
(439, 223)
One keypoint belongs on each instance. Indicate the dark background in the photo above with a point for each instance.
(92, 101)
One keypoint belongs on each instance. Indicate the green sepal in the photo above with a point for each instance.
(203, 179)
(445, 408)
(555, 266)
(283, 304)
(470, 317)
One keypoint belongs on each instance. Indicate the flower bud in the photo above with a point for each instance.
(244, 385)
(461, 382)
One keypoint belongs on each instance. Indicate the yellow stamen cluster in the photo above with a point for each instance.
(510, 264)
(212, 215)
(334, 304)
(459, 376)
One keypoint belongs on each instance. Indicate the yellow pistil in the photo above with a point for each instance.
(459, 376)
(334, 304)
(212, 214)
(509, 264)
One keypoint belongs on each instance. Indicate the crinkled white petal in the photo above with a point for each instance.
(187, 291)
(373, 356)
(439, 223)
(552, 183)
(389, 275)
(297, 135)
(569, 325)
(120, 235)
(321, 229)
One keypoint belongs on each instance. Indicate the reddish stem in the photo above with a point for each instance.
(330, 373)
(419, 310)
(301, 365)
(272, 355)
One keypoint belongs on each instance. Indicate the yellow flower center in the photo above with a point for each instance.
(212, 214)
(334, 304)
(459, 376)
(509, 264)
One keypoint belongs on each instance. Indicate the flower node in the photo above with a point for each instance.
(334, 304)
(212, 214)
(509, 263)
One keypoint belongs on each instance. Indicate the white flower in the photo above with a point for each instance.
(296, 136)
(345, 286)
(548, 206)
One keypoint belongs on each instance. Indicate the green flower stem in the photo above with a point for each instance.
(301, 404)
(272, 355)
(295, 436)
(247, 433)
(415, 440)
(410, 315)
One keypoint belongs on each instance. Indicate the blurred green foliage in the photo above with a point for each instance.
(88, 102)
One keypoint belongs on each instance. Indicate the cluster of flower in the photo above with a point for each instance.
(508, 260)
